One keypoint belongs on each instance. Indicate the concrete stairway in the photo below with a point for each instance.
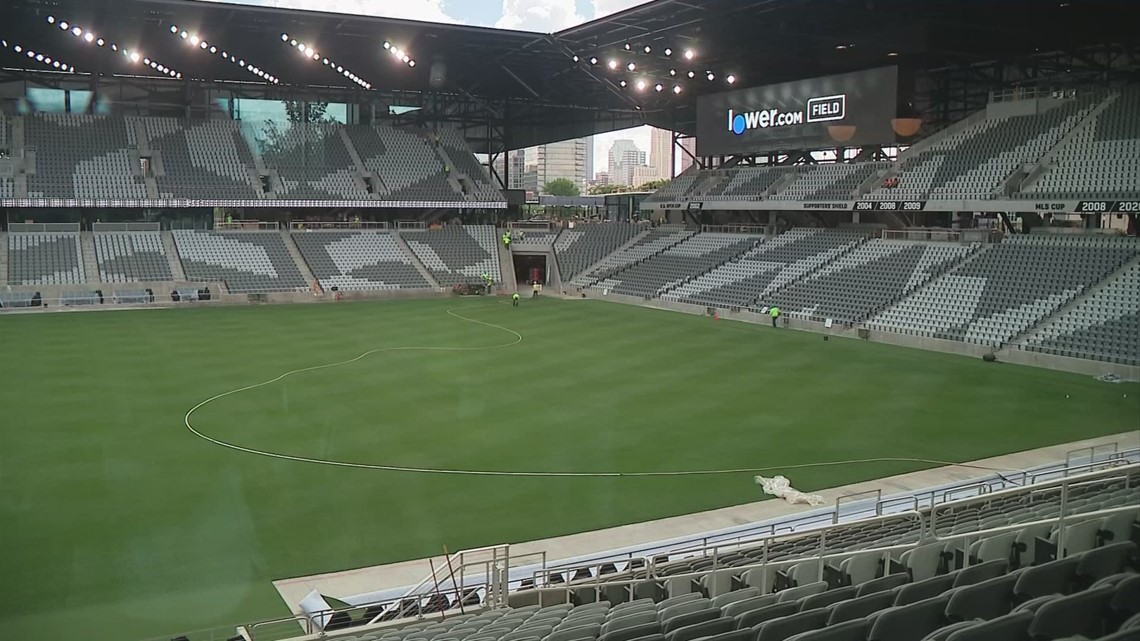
(298, 259)
(172, 257)
(506, 266)
(90, 261)
(415, 260)
(3, 259)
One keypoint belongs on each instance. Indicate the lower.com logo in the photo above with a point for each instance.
(820, 109)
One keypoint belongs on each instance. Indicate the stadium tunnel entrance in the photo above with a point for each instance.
(529, 268)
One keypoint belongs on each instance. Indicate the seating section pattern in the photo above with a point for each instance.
(1102, 160)
(358, 260)
(1103, 326)
(248, 262)
(131, 257)
(866, 279)
(829, 182)
(460, 153)
(771, 265)
(201, 159)
(972, 163)
(652, 243)
(676, 188)
(408, 166)
(1004, 291)
(7, 184)
(45, 258)
(675, 265)
(457, 254)
(312, 162)
(81, 156)
(578, 248)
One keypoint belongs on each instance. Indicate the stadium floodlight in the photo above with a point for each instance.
(631, 66)
(641, 85)
(213, 50)
(692, 74)
(689, 54)
(612, 64)
(325, 61)
(194, 40)
(293, 42)
(55, 64)
(339, 68)
(114, 47)
(593, 61)
(892, 54)
(18, 48)
(411, 63)
(39, 57)
(284, 37)
(203, 45)
(658, 87)
(135, 56)
(406, 58)
(100, 42)
(648, 49)
(575, 58)
(710, 76)
(51, 19)
(676, 88)
(146, 61)
(76, 31)
(387, 45)
(627, 46)
(840, 47)
(184, 35)
(730, 79)
(89, 37)
(173, 28)
(672, 72)
(622, 83)
(63, 25)
(668, 51)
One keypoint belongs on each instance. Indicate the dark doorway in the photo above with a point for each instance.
(528, 268)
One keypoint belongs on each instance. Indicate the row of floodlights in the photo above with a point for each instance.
(134, 56)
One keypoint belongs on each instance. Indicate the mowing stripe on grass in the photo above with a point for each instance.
(518, 338)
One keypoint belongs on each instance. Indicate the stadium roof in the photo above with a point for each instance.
(757, 41)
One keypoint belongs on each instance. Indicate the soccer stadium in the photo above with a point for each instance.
(290, 350)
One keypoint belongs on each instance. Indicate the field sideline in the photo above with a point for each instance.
(116, 522)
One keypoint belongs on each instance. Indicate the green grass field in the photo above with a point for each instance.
(116, 522)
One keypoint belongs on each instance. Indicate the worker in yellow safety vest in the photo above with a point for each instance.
(774, 312)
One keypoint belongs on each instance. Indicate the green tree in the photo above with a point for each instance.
(601, 190)
(653, 185)
(561, 187)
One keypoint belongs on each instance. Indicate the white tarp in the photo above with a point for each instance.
(780, 486)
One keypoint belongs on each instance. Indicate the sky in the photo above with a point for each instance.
(545, 16)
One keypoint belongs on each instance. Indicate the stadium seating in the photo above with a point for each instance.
(81, 156)
(312, 162)
(829, 182)
(681, 262)
(1102, 160)
(131, 257)
(1089, 592)
(1103, 326)
(972, 163)
(677, 188)
(652, 243)
(578, 248)
(457, 254)
(866, 279)
(358, 260)
(1004, 291)
(45, 258)
(408, 166)
(248, 262)
(200, 159)
(482, 189)
(769, 266)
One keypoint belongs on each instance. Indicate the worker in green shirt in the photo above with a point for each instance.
(515, 299)
(774, 312)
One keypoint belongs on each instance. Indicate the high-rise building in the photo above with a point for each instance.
(516, 161)
(567, 159)
(689, 145)
(624, 156)
(661, 153)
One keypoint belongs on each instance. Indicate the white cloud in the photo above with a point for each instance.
(603, 8)
(426, 10)
(544, 16)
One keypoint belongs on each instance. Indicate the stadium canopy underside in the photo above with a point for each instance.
(513, 89)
